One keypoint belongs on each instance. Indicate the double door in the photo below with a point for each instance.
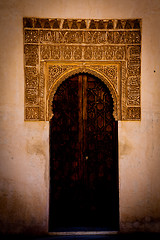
(83, 157)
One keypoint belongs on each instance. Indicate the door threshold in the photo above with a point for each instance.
(83, 233)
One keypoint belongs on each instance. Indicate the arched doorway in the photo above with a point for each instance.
(83, 157)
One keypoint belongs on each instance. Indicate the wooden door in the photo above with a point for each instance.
(83, 157)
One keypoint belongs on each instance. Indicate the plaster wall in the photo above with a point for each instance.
(24, 150)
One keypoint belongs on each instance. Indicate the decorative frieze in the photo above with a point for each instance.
(86, 37)
(109, 49)
(78, 24)
(74, 53)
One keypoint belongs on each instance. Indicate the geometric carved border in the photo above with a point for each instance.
(55, 49)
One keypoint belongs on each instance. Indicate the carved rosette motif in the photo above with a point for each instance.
(55, 49)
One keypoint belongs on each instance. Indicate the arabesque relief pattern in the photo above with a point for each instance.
(109, 74)
(57, 48)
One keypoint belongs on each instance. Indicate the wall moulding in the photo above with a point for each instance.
(55, 49)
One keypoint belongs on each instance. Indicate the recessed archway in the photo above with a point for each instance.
(83, 156)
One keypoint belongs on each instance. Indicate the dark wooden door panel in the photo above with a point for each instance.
(83, 156)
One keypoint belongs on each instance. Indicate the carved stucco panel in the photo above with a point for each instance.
(100, 44)
(108, 73)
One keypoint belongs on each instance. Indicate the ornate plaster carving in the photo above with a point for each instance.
(58, 48)
(105, 72)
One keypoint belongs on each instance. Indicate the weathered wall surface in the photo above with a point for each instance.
(24, 150)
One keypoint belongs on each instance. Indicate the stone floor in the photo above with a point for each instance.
(130, 236)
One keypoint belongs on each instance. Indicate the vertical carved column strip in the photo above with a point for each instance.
(42, 93)
(123, 90)
(31, 61)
